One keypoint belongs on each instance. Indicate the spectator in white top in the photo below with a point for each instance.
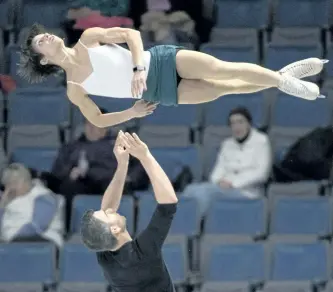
(28, 210)
(243, 163)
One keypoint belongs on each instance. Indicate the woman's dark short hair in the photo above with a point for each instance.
(240, 110)
(30, 67)
(96, 234)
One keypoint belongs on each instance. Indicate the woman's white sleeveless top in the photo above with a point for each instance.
(112, 71)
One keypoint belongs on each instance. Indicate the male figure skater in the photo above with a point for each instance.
(132, 265)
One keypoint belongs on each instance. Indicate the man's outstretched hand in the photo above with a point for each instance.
(134, 145)
(119, 149)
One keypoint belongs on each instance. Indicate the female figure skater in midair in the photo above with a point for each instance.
(166, 75)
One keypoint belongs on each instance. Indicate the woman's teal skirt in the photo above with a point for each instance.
(162, 76)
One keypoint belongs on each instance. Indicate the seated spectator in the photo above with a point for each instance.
(28, 210)
(243, 165)
(86, 166)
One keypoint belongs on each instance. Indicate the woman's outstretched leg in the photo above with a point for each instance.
(196, 65)
(201, 91)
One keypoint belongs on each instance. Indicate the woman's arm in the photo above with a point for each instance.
(93, 114)
(117, 35)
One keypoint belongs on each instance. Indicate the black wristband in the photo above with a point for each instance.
(139, 68)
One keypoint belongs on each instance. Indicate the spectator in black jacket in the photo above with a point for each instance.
(86, 166)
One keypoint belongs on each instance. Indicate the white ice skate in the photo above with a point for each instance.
(299, 88)
(304, 68)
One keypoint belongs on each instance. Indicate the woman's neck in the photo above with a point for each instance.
(66, 59)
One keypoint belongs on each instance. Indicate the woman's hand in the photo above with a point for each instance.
(143, 108)
(139, 83)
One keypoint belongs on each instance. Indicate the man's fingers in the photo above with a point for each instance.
(136, 138)
(124, 141)
(131, 140)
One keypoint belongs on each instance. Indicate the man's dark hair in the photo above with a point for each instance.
(240, 110)
(30, 67)
(96, 235)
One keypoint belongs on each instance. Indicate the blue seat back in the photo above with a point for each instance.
(300, 262)
(302, 216)
(27, 262)
(240, 216)
(236, 262)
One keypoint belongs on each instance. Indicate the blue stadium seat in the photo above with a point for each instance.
(2, 108)
(82, 203)
(40, 159)
(235, 262)
(301, 188)
(295, 36)
(242, 13)
(238, 37)
(174, 159)
(305, 13)
(329, 66)
(46, 12)
(219, 286)
(27, 262)
(279, 56)
(42, 106)
(176, 259)
(182, 115)
(6, 13)
(294, 112)
(216, 112)
(212, 145)
(2, 52)
(170, 126)
(290, 286)
(300, 261)
(232, 53)
(302, 216)
(14, 59)
(186, 221)
(290, 120)
(47, 136)
(237, 216)
(79, 264)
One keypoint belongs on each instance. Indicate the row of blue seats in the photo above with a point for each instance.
(34, 128)
(200, 159)
(223, 262)
(238, 13)
(51, 107)
(254, 218)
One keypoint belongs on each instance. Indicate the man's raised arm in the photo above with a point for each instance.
(112, 196)
(163, 189)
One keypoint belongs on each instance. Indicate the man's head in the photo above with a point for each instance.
(17, 179)
(101, 230)
(37, 53)
(240, 122)
(94, 133)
